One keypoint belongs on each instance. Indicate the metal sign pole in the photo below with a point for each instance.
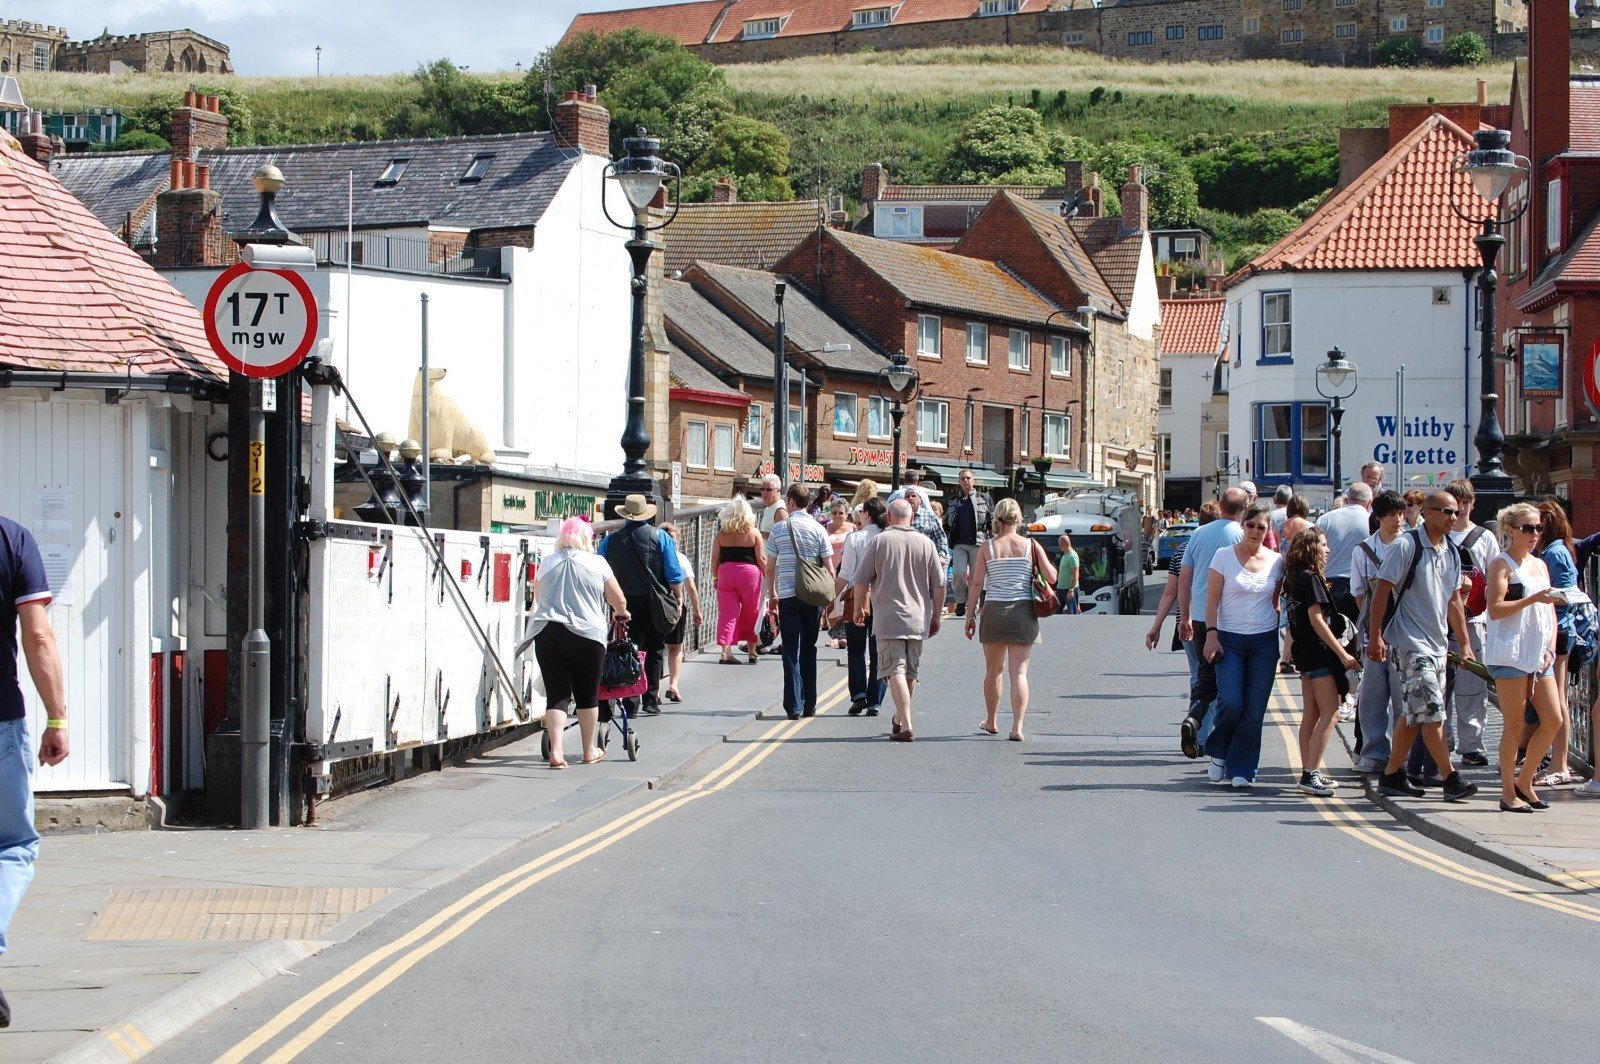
(256, 720)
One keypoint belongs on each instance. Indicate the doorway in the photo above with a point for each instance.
(997, 438)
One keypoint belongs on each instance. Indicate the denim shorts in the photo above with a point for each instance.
(1316, 674)
(1511, 672)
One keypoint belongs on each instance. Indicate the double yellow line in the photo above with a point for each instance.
(1359, 825)
(455, 920)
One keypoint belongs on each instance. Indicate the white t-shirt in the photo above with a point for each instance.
(1246, 607)
(1363, 570)
(1519, 641)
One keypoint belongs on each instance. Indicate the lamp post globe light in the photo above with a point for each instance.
(900, 377)
(641, 174)
(1491, 166)
(1337, 380)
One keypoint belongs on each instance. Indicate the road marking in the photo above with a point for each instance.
(497, 892)
(1358, 824)
(1329, 1047)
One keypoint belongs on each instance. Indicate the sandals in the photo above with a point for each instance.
(1557, 779)
(984, 727)
(595, 760)
(558, 764)
(673, 695)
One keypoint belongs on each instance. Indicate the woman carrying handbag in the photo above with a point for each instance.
(1008, 572)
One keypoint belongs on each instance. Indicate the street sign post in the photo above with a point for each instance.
(262, 323)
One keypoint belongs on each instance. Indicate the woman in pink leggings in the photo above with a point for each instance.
(738, 558)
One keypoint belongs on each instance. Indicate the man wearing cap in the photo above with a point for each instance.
(24, 600)
(645, 562)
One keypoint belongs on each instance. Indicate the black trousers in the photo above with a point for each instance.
(1204, 691)
(569, 665)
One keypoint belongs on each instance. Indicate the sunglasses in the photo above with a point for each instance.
(1532, 530)
(1448, 511)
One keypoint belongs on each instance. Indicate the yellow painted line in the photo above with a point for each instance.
(495, 893)
(137, 1037)
(1356, 823)
(121, 1045)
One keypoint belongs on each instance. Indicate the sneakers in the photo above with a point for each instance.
(1217, 771)
(1347, 714)
(1475, 759)
(1325, 779)
(1424, 781)
(1367, 767)
(1313, 783)
(1242, 784)
(1191, 739)
(1395, 785)
(1457, 789)
(1589, 790)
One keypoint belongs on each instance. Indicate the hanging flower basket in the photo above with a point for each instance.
(1043, 463)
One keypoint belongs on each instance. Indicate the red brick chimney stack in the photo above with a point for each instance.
(1073, 177)
(1549, 110)
(35, 145)
(1092, 198)
(198, 126)
(189, 230)
(1135, 203)
(724, 191)
(582, 123)
(873, 179)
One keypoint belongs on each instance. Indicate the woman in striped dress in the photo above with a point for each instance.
(1003, 617)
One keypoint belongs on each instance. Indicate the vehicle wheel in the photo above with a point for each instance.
(632, 744)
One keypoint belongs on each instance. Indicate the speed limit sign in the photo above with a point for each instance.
(262, 323)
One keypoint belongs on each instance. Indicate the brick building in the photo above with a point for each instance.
(1309, 31)
(28, 47)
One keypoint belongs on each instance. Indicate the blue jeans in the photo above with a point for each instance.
(19, 843)
(1192, 652)
(798, 623)
(1245, 674)
(865, 687)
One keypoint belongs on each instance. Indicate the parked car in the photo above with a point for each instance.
(1173, 540)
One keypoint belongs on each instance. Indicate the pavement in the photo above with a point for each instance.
(126, 938)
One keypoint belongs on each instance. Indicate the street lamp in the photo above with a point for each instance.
(1341, 378)
(640, 173)
(1491, 166)
(900, 377)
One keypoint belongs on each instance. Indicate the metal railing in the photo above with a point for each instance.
(404, 254)
(1582, 684)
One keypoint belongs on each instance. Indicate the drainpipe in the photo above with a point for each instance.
(1466, 371)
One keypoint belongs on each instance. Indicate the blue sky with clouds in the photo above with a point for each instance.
(357, 36)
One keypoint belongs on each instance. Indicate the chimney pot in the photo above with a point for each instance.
(591, 93)
(175, 177)
(1483, 93)
(202, 176)
(582, 123)
(724, 191)
(573, 94)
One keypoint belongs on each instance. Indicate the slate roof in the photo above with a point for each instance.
(939, 279)
(1061, 241)
(967, 193)
(754, 235)
(1396, 216)
(1192, 326)
(687, 373)
(697, 326)
(807, 326)
(526, 173)
(716, 22)
(77, 298)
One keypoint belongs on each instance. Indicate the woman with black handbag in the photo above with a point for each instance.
(568, 630)
(1318, 655)
(1009, 567)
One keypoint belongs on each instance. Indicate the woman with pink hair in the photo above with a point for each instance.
(568, 629)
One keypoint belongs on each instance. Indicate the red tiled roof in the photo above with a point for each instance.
(1192, 326)
(966, 193)
(716, 21)
(75, 297)
(754, 235)
(1063, 245)
(1396, 216)
(687, 23)
(1584, 94)
(1576, 268)
(1116, 253)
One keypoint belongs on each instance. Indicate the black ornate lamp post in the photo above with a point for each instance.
(1492, 166)
(640, 173)
(1337, 380)
(900, 377)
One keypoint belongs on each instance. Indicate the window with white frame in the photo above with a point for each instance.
(844, 414)
(41, 55)
(695, 444)
(1165, 442)
(1058, 435)
(1224, 456)
(722, 446)
(878, 419)
(1293, 35)
(757, 28)
(1552, 215)
(477, 168)
(1252, 25)
(872, 16)
(1276, 334)
(966, 429)
(1344, 3)
(977, 344)
(1074, 38)
(999, 7)
(1345, 31)
(1060, 356)
(933, 423)
(1021, 349)
(1027, 430)
(928, 342)
(1398, 24)
(394, 171)
(1434, 35)
(897, 223)
(1291, 5)
(753, 427)
(1166, 389)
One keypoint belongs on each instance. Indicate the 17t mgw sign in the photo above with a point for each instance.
(262, 323)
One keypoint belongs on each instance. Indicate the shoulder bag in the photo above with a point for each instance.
(813, 580)
(1045, 601)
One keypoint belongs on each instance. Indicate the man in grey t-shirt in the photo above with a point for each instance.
(906, 577)
(1422, 576)
(1344, 529)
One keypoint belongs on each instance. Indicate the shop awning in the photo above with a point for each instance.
(1068, 479)
(946, 473)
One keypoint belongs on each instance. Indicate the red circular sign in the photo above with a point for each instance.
(262, 323)
(1591, 377)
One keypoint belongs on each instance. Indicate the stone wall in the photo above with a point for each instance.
(18, 40)
(175, 51)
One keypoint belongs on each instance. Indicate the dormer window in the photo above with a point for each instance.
(394, 171)
(999, 7)
(477, 168)
(868, 17)
(756, 29)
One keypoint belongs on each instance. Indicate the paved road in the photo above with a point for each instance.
(1082, 896)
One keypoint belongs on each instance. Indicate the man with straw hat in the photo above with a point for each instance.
(645, 561)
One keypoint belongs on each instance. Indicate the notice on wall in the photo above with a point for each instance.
(58, 572)
(52, 513)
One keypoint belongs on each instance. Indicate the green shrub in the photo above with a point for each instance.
(1466, 49)
(140, 140)
(1397, 52)
(1270, 170)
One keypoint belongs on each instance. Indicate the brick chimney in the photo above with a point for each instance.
(35, 145)
(189, 230)
(1549, 106)
(581, 122)
(1164, 285)
(1073, 177)
(1135, 203)
(873, 179)
(198, 126)
(1090, 207)
(724, 191)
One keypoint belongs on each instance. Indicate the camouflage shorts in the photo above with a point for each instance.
(1421, 685)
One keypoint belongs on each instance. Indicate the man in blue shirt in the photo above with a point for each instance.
(645, 561)
(1192, 588)
(24, 599)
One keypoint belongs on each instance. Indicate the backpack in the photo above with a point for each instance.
(1478, 593)
(1585, 632)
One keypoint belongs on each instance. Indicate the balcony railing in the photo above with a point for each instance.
(404, 255)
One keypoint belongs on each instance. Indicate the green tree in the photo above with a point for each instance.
(141, 140)
(1265, 171)
(1466, 49)
(1174, 198)
(1001, 143)
(595, 59)
(674, 95)
(449, 103)
(1397, 52)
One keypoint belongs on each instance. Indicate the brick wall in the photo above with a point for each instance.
(502, 238)
(198, 126)
(707, 481)
(442, 246)
(189, 230)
